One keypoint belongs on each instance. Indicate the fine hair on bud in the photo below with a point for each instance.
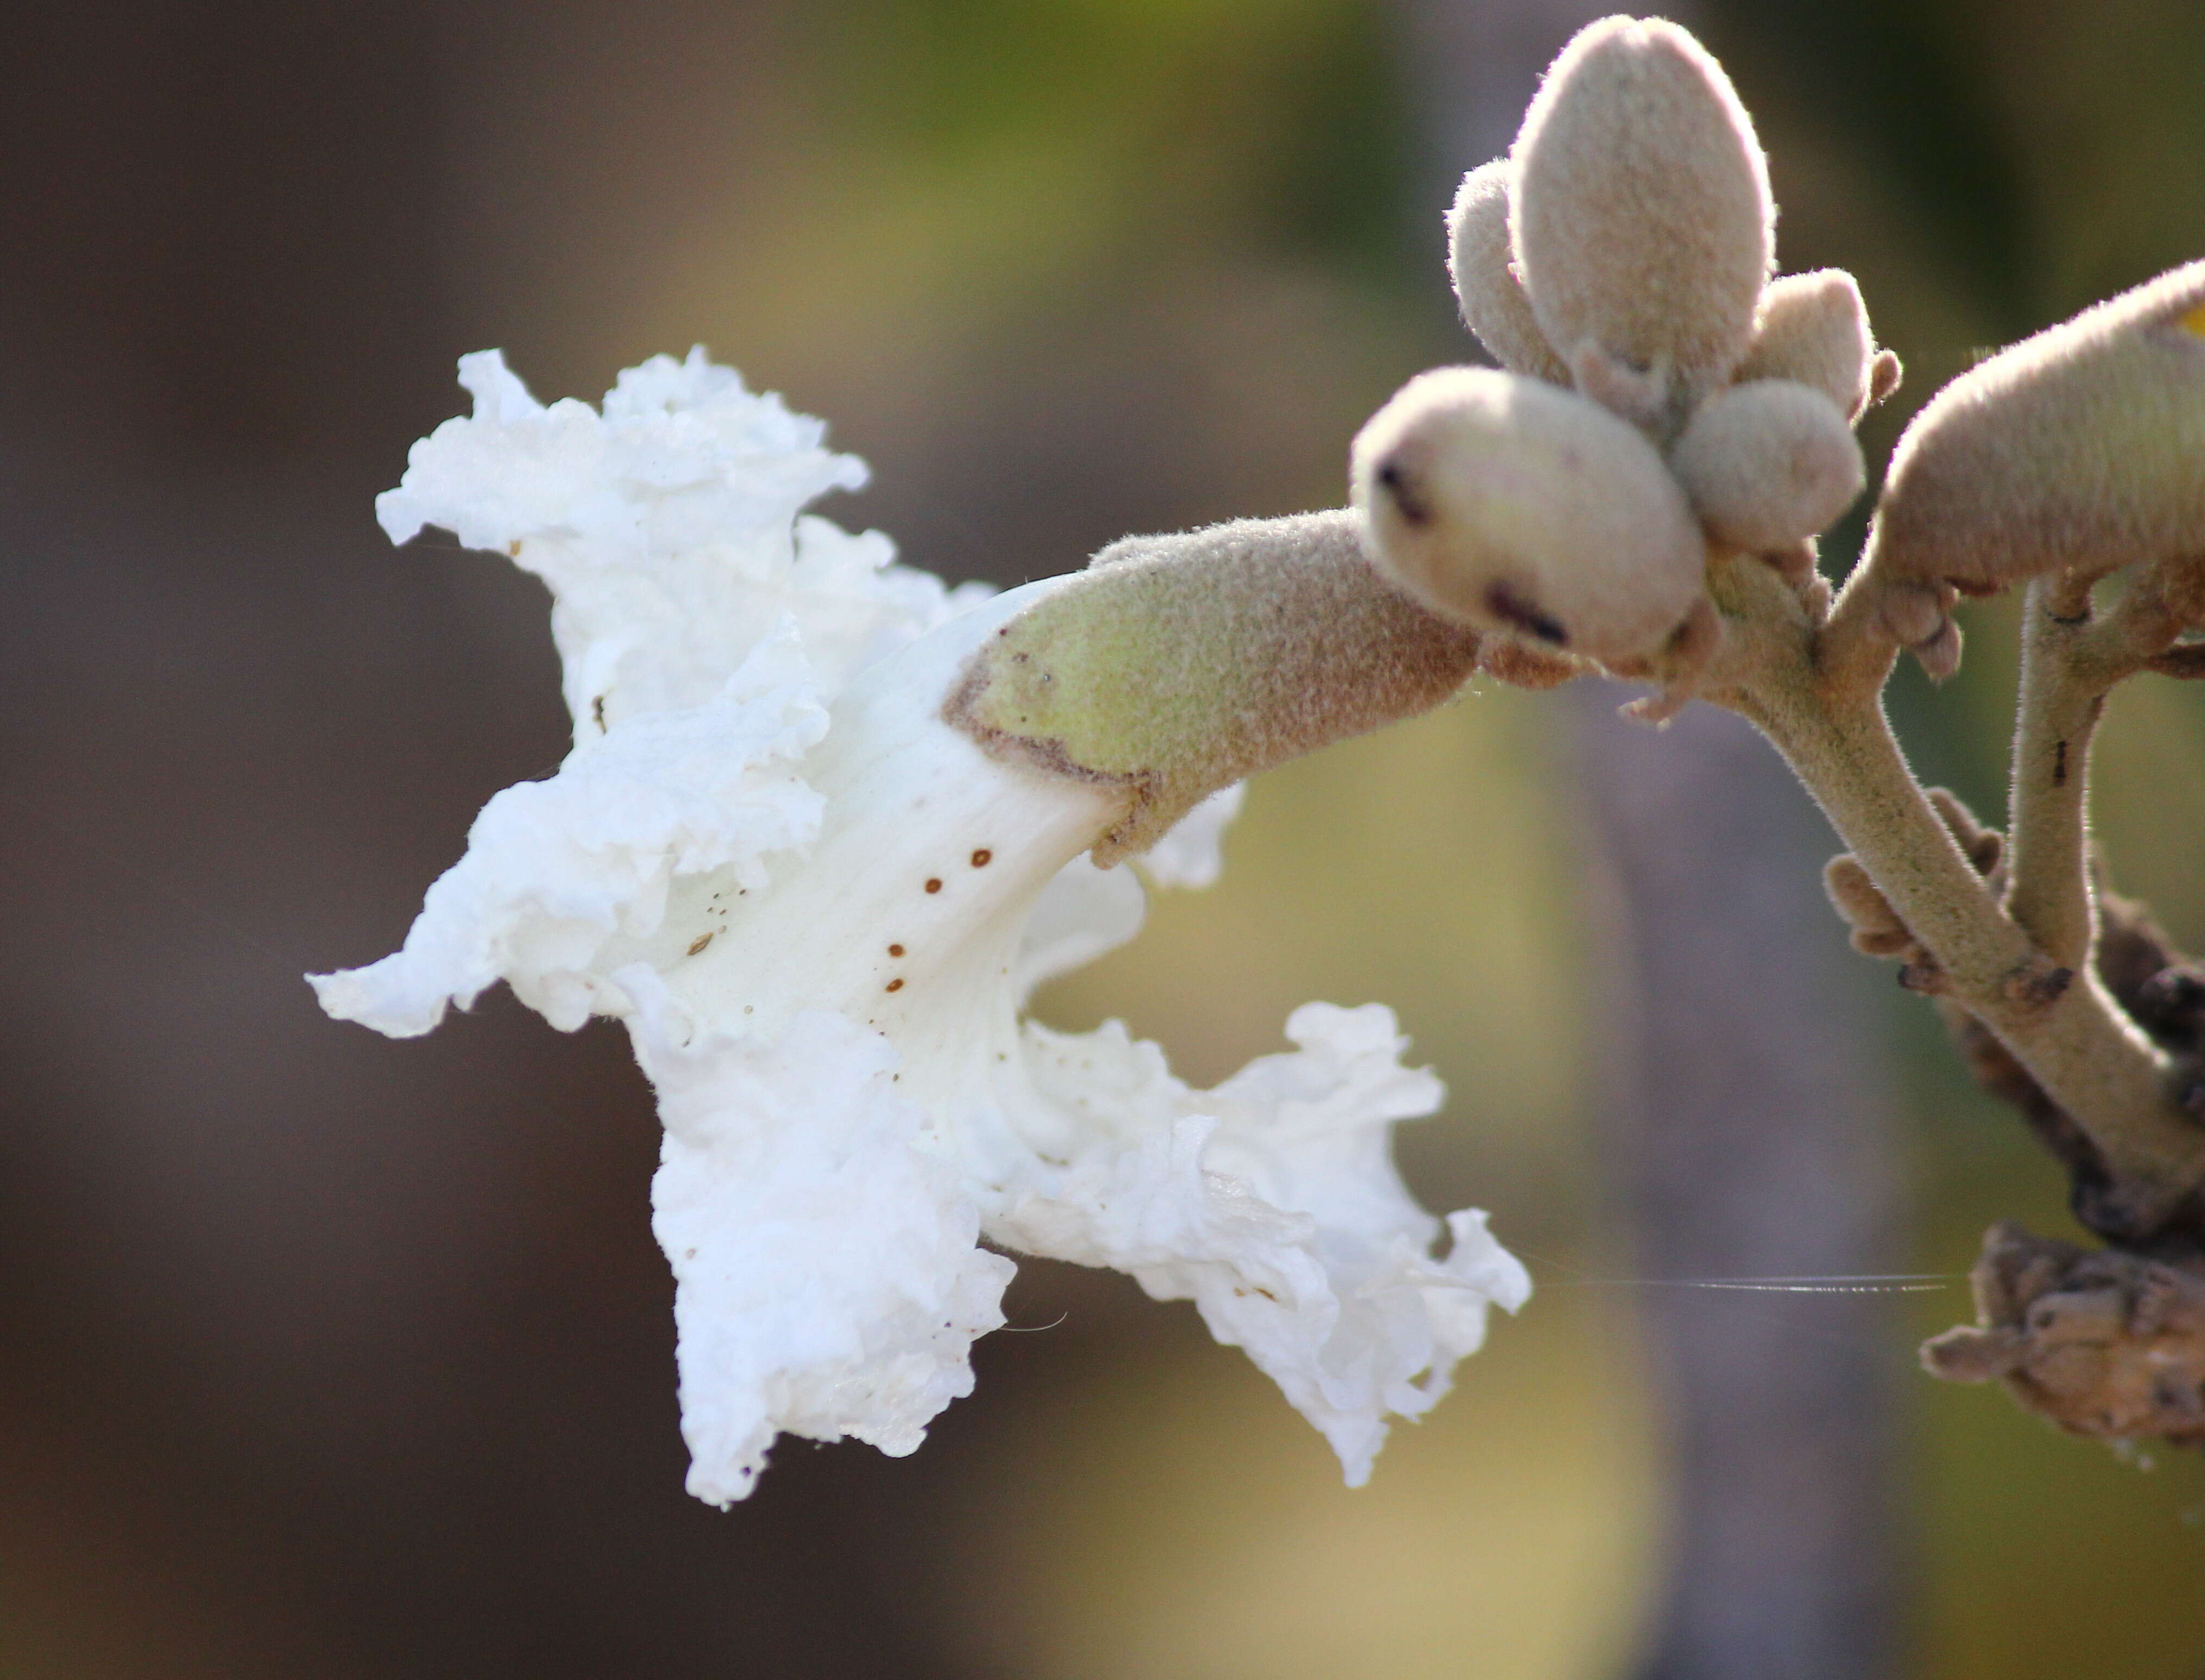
(1642, 215)
(1769, 464)
(1511, 505)
(1174, 665)
(1479, 260)
(2082, 450)
(1813, 328)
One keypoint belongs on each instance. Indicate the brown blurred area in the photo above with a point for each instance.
(322, 1354)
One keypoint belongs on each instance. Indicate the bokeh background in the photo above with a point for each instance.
(323, 1356)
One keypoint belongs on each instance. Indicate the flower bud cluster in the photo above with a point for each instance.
(1664, 401)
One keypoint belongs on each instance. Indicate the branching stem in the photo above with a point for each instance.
(2054, 1016)
(2071, 659)
(2056, 715)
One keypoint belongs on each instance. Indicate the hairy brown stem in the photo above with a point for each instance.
(2070, 662)
(2055, 715)
(2056, 1020)
(1854, 651)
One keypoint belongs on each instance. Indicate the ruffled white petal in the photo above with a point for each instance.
(1086, 911)
(556, 869)
(1082, 913)
(827, 1277)
(667, 528)
(1273, 1203)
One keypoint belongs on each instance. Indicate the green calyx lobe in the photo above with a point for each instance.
(1174, 665)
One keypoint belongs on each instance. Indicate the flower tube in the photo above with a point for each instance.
(819, 906)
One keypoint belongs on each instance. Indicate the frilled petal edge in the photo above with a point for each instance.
(555, 869)
(1272, 1202)
(828, 1279)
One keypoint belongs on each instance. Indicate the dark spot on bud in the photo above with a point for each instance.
(1520, 613)
(2060, 764)
(934, 885)
(980, 857)
(895, 950)
(896, 985)
(1408, 499)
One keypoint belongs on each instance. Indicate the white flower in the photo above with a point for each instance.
(820, 909)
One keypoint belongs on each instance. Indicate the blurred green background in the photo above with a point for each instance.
(325, 1356)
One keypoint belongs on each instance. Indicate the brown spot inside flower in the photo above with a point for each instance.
(697, 944)
(896, 985)
(980, 857)
(895, 950)
(934, 885)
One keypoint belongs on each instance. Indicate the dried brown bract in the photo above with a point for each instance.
(2101, 1343)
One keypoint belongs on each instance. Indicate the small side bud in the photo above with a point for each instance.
(1642, 218)
(1174, 665)
(1510, 505)
(2079, 449)
(1919, 618)
(1885, 375)
(1984, 845)
(1939, 655)
(1493, 305)
(1769, 464)
(1813, 328)
(1877, 931)
(1643, 397)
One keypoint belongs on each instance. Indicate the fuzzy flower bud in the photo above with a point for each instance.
(1175, 666)
(1813, 328)
(1512, 506)
(2081, 449)
(1769, 464)
(1494, 304)
(1642, 218)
